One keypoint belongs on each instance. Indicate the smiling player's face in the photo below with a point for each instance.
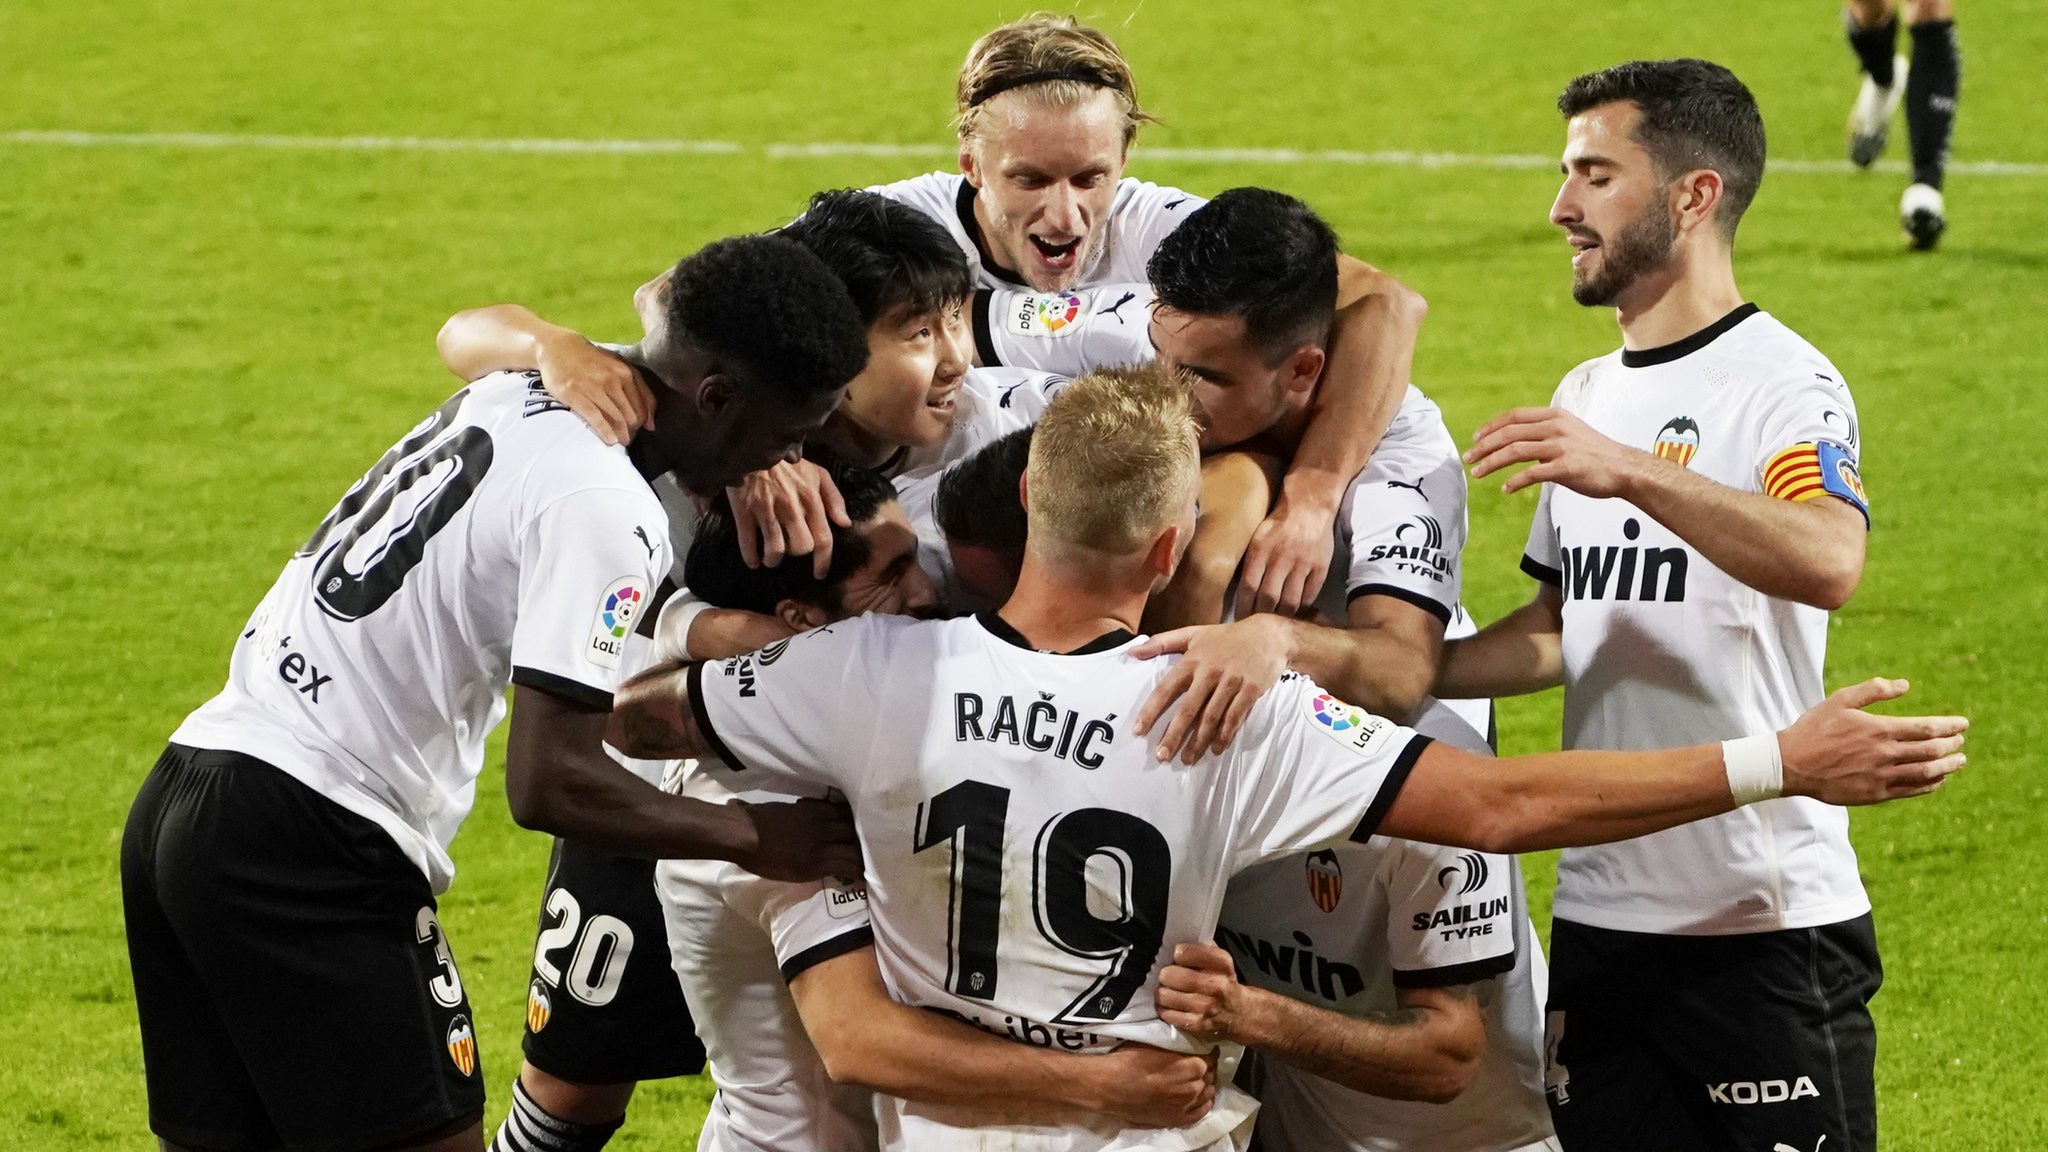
(916, 361)
(1613, 206)
(1045, 178)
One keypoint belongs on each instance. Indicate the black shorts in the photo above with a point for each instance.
(602, 1004)
(294, 986)
(1709, 1043)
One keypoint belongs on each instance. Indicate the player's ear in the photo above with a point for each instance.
(970, 161)
(1304, 368)
(1696, 198)
(801, 615)
(1023, 492)
(715, 397)
(1164, 557)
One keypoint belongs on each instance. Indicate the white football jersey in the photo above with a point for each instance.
(499, 540)
(1343, 929)
(1140, 216)
(1030, 865)
(1663, 649)
(736, 942)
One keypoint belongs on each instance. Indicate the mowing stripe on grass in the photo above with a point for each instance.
(1277, 156)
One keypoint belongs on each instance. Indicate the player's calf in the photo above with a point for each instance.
(532, 1127)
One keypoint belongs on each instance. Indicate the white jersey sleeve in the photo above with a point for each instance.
(782, 719)
(807, 924)
(1144, 213)
(1810, 443)
(1405, 514)
(1451, 914)
(1311, 770)
(589, 564)
(1540, 557)
(1065, 332)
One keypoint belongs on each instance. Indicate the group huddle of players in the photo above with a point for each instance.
(1025, 605)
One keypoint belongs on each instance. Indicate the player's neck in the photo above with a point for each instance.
(1059, 609)
(1675, 301)
(853, 444)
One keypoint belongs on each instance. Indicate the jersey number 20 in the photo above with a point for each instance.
(969, 819)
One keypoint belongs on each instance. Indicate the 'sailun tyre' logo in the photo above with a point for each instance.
(1471, 866)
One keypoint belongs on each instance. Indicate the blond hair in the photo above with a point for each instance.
(1113, 461)
(1057, 60)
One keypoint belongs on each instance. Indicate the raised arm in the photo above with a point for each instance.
(1427, 1049)
(866, 1038)
(1809, 552)
(1519, 653)
(596, 385)
(558, 780)
(1237, 492)
(1836, 752)
(1372, 348)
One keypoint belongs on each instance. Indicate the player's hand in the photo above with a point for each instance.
(788, 510)
(802, 840)
(1227, 667)
(596, 385)
(1286, 561)
(1841, 754)
(1149, 1087)
(1565, 450)
(1199, 993)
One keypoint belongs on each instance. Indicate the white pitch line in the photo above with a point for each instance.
(1283, 157)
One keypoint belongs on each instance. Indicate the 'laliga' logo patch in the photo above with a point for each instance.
(1325, 880)
(462, 1045)
(1352, 727)
(1678, 440)
(617, 609)
(539, 1007)
(843, 900)
(1046, 315)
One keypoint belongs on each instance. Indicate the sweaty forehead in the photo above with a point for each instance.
(1020, 128)
(1605, 131)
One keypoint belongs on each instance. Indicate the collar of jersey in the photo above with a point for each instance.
(1679, 349)
(1001, 630)
(963, 203)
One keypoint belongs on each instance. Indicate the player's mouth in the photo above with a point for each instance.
(1056, 255)
(941, 401)
(1584, 246)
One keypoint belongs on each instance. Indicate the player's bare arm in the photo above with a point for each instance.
(1237, 492)
(596, 385)
(1427, 1049)
(1519, 653)
(1383, 660)
(867, 1038)
(558, 780)
(1372, 348)
(1809, 552)
(1836, 752)
(788, 510)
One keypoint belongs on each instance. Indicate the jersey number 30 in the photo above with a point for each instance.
(451, 470)
(1134, 861)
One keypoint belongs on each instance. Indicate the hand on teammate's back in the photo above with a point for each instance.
(1225, 669)
(1151, 1087)
(1839, 753)
(1199, 993)
(596, 385)
(802, 840)
(1286, 562)
(788, 510)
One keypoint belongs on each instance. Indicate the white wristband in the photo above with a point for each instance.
(672, 627)
(1756, 770)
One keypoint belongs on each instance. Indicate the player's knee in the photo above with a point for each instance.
(532, 1126)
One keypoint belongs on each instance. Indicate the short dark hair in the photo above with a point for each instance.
(1260, 255)
(714, 570)
(978, 502)
(771, 313)
(892, 258)
(1695, 114)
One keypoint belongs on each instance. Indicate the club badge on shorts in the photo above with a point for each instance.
(539, 1006)
(462, 1045)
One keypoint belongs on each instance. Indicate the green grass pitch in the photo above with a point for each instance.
(202, 347)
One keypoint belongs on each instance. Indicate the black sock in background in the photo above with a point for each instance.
(1874, 46)
(1931, 88)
